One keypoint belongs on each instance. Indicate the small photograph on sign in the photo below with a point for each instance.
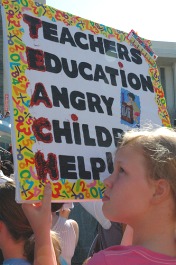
(130, 109)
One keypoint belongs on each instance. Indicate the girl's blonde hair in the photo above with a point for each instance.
(159, 148)
(30, 245)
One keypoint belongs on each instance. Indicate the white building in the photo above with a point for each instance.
(166, 62)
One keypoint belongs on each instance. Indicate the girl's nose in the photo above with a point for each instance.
(107, 182)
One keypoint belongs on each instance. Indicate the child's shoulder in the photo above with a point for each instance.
(129, 254)
(103, 257)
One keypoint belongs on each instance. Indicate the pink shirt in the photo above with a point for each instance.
(130, 255)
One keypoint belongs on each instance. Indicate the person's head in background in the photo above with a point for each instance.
(15, 227)
(1, 115)
(7, 114)
(55, 207)
(7, 167)
(60, 209)
(16, 233)
(144, 178)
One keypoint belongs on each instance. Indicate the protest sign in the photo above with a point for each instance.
(75, 87)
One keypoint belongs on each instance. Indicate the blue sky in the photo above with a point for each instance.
(152, 19)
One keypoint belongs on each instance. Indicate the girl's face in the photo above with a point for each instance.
(128, 190)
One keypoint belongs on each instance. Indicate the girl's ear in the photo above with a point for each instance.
(1, 226)
(162, 191)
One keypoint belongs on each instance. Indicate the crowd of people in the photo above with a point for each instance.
(138, 206)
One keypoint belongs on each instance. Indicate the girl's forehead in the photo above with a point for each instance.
(131, 157)
(128, 150)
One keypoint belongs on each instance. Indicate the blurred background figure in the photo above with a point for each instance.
(7, 167)
(1, 115)
(66, 228)
(17, 240)
(7, 114)
(96, 232)
(108, 233)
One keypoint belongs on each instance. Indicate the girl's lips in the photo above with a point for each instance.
(105, 198)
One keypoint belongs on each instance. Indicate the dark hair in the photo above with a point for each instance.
(12, 215)
(131, 95)
(56, 206)
(7, 167)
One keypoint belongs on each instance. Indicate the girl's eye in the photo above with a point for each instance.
(121, 170)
